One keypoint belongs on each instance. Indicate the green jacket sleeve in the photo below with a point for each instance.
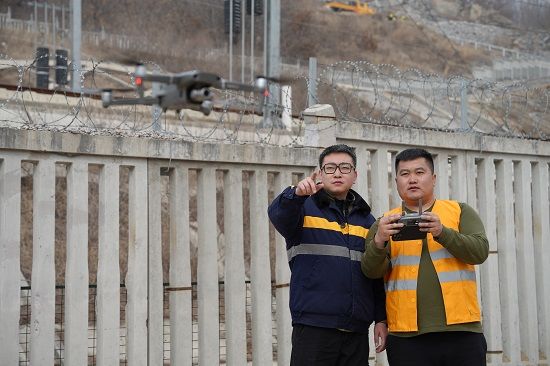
(374, 261)
(470, 243)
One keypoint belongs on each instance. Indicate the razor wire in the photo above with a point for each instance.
(359, 92)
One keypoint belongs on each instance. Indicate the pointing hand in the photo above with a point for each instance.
(308, 186)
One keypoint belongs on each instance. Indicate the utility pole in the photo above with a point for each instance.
(252, 69)
(272, 57)
(76, 36)
(35, 24)
(243, 38)
(312, 82)
(54, 27)
(274, 39)
(231, 39)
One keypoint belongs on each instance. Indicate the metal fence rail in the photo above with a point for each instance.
(59, 350)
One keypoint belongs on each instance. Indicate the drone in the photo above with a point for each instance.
(185, 90)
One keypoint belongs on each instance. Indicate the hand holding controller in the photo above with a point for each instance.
(411, 229)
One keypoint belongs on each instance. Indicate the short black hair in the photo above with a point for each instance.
(413, 154)
(340, 148)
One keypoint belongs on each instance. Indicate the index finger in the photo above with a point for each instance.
(394, 217)
(429, 216)
(314, 175)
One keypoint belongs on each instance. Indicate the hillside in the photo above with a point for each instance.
(193, 28)
(187, 29)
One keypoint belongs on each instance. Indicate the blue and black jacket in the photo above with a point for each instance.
(324, 245)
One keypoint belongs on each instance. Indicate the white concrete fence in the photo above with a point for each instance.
(505, 179)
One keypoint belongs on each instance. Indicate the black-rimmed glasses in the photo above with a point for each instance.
(330, 168)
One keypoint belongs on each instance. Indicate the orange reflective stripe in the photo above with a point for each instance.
(358, 231)
(314, 222)
(321, 223)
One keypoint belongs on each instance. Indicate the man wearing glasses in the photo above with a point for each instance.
(325, 223)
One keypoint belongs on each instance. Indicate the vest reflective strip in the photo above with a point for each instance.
(413, 260)
(405, 260)
(312, 222)
(441, 254)
(401, 285)
(456, 276)
(322, 249)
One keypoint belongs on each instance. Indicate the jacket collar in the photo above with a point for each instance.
(355, 201)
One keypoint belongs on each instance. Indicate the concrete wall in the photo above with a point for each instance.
(506, 180)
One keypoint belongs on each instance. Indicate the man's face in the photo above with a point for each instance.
(338, 184)
(415, 181)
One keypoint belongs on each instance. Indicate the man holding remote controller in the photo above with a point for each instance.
(431, 294)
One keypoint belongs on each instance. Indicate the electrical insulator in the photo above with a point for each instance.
(258, 7)
(61, 61)
(226, 16)
(236, 15)
(42, 67)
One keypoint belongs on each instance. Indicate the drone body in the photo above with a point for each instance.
(186, 90)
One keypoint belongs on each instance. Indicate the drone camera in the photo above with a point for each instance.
(200, 95)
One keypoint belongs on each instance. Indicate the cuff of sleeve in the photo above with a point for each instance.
(377, 252)
(443, 236)
(290, 193)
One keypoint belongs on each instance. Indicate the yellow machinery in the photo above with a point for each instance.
(358, 7)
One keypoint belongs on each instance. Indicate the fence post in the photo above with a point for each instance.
(312, 82)
(320, 124)
(286, 101)
(156, 109)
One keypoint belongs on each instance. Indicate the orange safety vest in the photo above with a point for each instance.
(457, 278)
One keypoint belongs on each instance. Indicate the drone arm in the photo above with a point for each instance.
(260, 84)
(130, 101)
(231, 85)
(144, 100)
